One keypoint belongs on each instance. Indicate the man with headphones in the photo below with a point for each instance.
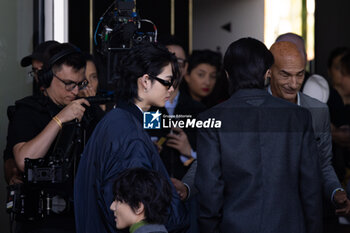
(39, 119)
(36, 60)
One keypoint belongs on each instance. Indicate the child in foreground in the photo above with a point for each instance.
(141, 201)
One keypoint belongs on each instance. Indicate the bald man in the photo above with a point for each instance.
(286, 77)
(314, 85)
(295, 39)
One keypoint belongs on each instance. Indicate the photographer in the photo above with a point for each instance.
(39, 119)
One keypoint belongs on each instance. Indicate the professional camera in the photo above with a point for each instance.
(60, 166)
(121, 27)
(29, 203)
(102, 97)
(40, 170)
(118, 30)
(48, 182)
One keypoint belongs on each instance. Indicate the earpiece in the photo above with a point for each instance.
(45, 75)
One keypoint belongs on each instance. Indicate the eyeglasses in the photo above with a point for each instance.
(71, 85)
(168, 84)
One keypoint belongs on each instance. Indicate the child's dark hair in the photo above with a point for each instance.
(139, 185)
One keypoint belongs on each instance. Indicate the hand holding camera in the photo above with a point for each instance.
(74, 110)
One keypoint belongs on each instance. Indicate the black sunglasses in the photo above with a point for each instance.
(168, 84)
(71, 85)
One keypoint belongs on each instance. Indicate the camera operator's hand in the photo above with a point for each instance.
(39, 145)
(74, 110)
(179, 141)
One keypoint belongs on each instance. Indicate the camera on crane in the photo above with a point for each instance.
(118, 30)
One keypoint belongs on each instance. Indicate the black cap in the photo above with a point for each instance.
(38, 53)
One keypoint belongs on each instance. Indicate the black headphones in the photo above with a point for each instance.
(45, 75)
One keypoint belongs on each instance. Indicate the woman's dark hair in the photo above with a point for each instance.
(246, 62)
(146, 58)
(102, 85)
(204, 57)
(339, 51)
(91, 58)
(139, 185)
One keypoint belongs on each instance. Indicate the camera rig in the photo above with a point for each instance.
(48, 182)
(119, 29)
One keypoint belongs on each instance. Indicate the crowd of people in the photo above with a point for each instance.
(278, 162)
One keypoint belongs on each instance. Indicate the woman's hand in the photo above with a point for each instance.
(179, 141)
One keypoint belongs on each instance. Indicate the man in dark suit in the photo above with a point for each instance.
(259, 172)
(286, 78)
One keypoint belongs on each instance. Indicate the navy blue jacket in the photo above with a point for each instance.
(118, 142)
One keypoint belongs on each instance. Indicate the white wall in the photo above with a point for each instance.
(246, 17)
(16, 30)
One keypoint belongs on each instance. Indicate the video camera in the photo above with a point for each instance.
(48, 182)
(40, 170)
(103, 97)
(29, 203)
(118, 30)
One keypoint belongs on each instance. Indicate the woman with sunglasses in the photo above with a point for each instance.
(149, 73)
